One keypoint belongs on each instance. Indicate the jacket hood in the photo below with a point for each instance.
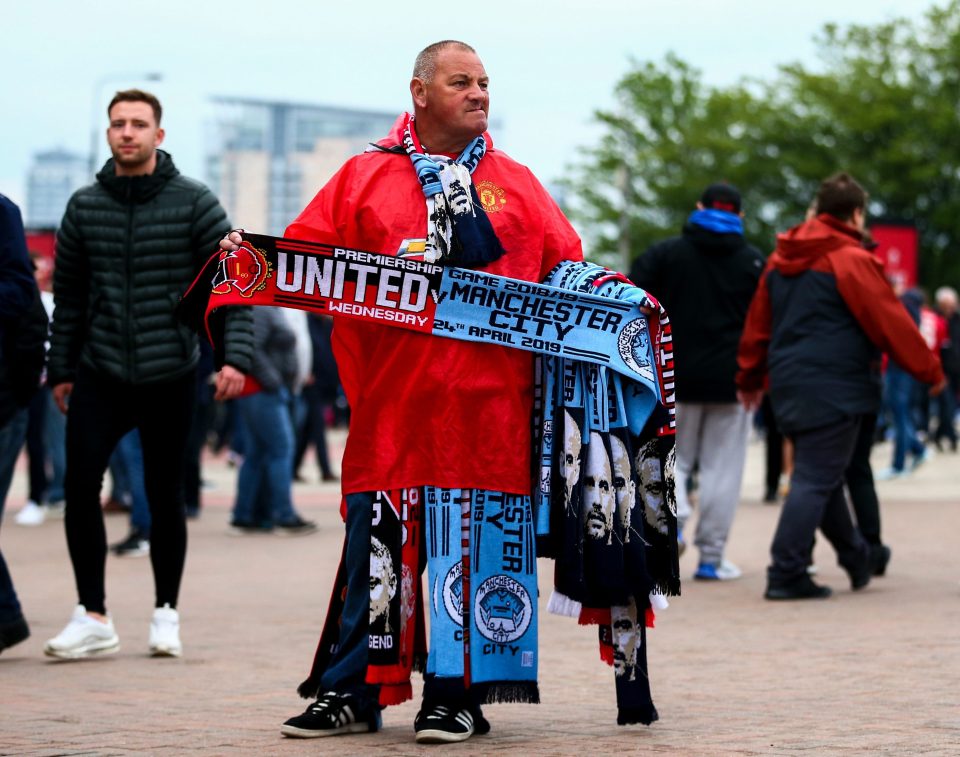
(138, 189)
(712, 242)
(800, 247)
(394, 138)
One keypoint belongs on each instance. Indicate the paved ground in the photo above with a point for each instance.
(877, 672)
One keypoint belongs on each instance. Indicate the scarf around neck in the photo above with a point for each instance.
(718, 221)
(458, 229)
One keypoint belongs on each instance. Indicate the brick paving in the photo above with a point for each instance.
(876, 672)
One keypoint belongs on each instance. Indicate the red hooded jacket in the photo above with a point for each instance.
(816, 324)
(428, 410)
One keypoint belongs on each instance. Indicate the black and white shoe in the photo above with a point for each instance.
(331, 715)
(442, 725)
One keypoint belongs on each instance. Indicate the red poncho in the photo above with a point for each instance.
(427, 410)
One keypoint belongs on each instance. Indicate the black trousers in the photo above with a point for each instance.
(816, 498)
(102, 410)
(859, 478)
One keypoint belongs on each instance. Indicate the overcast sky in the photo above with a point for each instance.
(552, 63)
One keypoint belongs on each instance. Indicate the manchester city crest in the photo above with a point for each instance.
(503, 609)
(633, 344)
(453, 593)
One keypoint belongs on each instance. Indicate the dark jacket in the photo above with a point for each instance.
(820, 318)
(127, 249)
(275, 350)
(705, 281)
(16, 276)
(21, 365)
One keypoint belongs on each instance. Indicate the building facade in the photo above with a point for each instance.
(270, 158)
(53, 176)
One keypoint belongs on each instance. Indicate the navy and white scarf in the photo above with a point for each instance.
(458, 229)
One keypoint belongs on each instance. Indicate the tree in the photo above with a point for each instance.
(883, 106)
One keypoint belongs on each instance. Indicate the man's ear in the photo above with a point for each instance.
(418, 90)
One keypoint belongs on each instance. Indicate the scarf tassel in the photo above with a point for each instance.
(634, 715)
(512, 692)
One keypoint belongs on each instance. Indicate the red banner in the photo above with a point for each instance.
(897, 250)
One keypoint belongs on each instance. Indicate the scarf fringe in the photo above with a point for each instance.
(634, 715)
(512, 692)
(561, 604)
(310, 688)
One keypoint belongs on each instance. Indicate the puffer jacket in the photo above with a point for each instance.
(127, 249)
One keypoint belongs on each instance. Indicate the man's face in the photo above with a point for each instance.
(570, 460)
(598, 498)
(133, 136)
(652, 489)
(624, 643)
(383, 585)
(455, 102)
(623, 485)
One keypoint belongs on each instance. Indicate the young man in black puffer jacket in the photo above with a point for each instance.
(129, 245)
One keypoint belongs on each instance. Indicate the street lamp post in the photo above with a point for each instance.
(95, 133)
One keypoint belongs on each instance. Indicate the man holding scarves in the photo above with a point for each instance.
(440, 428)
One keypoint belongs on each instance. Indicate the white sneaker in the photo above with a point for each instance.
(727, 571)
(31, 514)
(56, 509)
(84, 636)
(165, 632)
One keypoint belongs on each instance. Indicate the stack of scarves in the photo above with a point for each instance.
(605, 505)
(479, 550)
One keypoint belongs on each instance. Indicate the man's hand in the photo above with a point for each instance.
(61, 393)
(229, 382)
(750, 400)
(938, 388)
(231, 241)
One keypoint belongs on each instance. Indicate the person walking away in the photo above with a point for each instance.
(705, 278)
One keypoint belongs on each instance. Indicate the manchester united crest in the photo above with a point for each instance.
(245, 269)
(492, 197)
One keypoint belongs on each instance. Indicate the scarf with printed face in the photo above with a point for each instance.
(458, 229)
(479, 549)
(604, 504)
(396, 636)
(482, 592)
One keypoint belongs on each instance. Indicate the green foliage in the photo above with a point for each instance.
(883, 105)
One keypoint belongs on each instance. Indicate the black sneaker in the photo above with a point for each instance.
(297, 526)
(13, 632)
(331, 715)
(442, 725)
(797, 588)
(243, 527)
(137, 544)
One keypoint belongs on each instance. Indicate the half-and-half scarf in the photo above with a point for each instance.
(479, 550)
(458, 229)
(605, 508)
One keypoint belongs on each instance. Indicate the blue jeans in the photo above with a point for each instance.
(12, 436)
(347, 670)
(901, 390)
(267, 468)
(56, 433)
(131, 455)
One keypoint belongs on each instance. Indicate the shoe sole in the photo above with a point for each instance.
(165, 651)
(91, 650)
(302, 733)
(132, 553)
(796, 597)
(431, 736)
